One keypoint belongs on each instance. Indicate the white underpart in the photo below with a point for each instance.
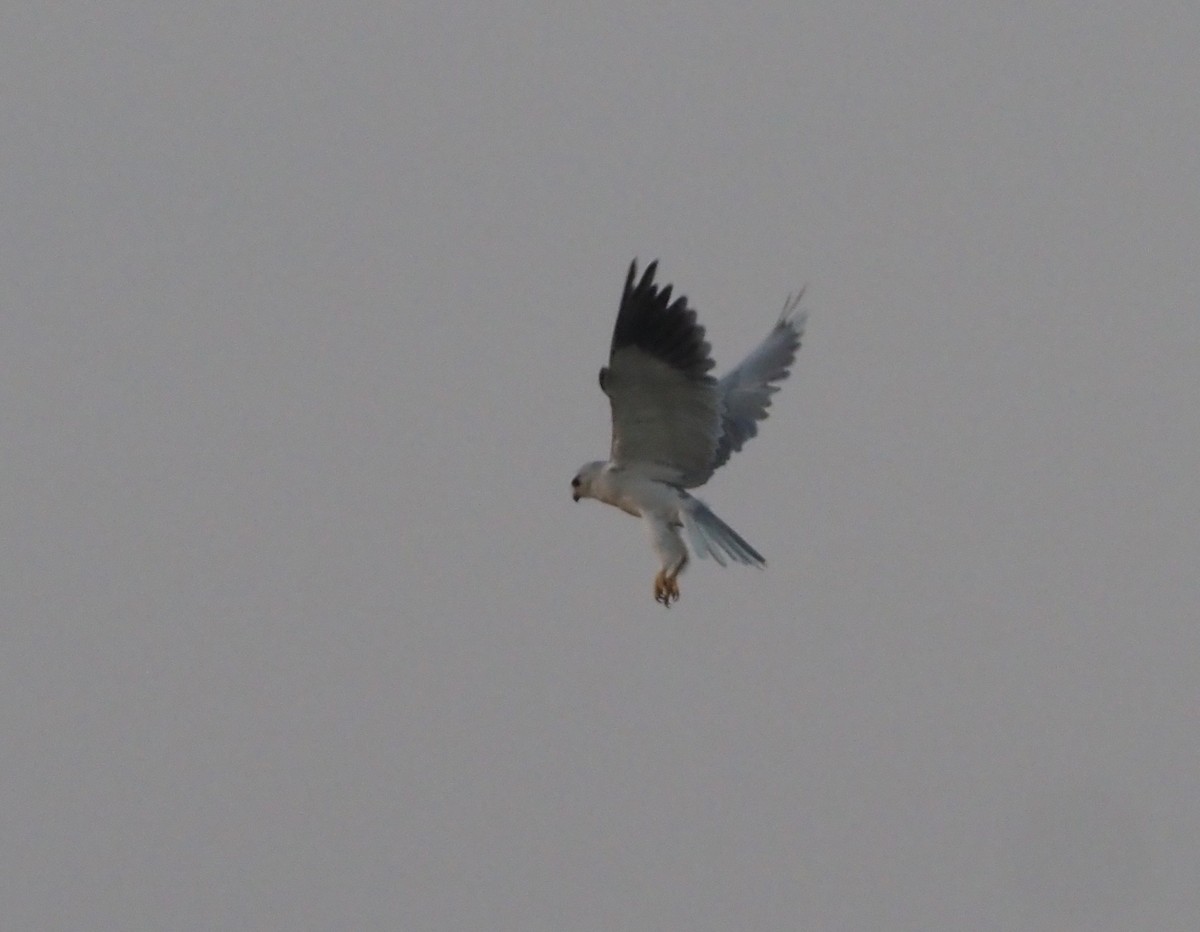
(666, 510)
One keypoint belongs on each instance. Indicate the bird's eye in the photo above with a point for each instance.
(575, 483)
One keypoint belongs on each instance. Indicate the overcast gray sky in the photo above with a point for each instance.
(301, 308)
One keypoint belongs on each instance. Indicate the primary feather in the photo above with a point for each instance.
(666, 408)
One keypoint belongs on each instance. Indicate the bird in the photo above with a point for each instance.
(674, 424)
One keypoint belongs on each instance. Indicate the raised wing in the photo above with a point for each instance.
(746, 391)
(666, 408)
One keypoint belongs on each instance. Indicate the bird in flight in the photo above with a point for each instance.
(673, 424)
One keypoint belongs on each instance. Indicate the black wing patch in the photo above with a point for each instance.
(649, 321)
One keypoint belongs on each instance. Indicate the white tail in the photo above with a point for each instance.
(712, 537)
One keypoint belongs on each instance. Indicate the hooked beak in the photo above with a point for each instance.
(575, 496)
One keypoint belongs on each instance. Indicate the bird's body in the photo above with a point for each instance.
(674, 424)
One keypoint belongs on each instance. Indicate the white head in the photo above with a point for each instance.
(583, 485)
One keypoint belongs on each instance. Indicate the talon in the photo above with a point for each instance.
(666, 589)
(660, 590)
(672, 587)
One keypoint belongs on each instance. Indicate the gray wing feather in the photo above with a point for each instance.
(746, 391)
(666, 408)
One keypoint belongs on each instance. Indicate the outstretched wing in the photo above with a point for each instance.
(746, 391)
(666, 408)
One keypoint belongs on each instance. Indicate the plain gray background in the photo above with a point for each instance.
(302, 308)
